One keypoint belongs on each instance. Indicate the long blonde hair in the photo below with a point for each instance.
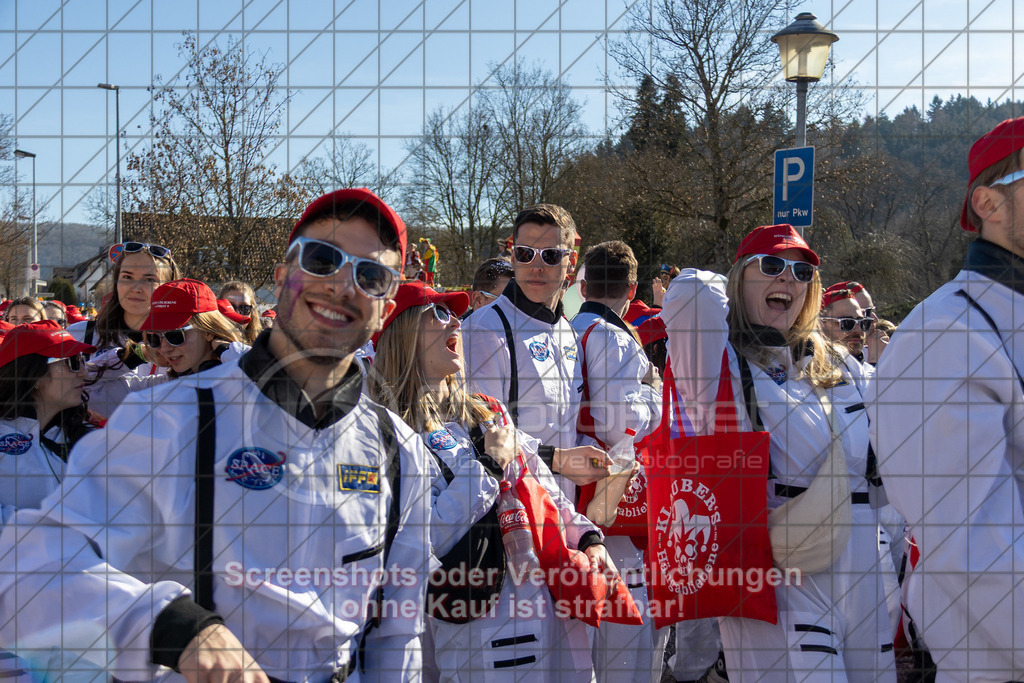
(214, 322)
(803, 337)
(396, 382)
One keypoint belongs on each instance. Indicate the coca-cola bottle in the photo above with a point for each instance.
(516, 534)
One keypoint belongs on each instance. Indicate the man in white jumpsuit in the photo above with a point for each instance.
(260, 545)
(946, 420)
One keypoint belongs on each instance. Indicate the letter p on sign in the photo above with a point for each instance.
(794, 187)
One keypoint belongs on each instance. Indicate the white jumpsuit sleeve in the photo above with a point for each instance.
(941, 407)
(56, 586)
(392, 650)
(619, 399)
(695, 314)
(457, 506)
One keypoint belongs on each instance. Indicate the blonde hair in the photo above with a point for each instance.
(214, 322)
(255, 324)
(803, 337)
(396, 382)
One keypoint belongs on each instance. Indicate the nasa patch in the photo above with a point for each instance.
(441, 440)
(778, 375)
(15, 443)
(255, 468)
(570, 352)
(358, 478)
(539, 351)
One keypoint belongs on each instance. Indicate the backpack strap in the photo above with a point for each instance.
(513, 380)
(991, 323)
(90, 331)
(748, 394)
(585, 421)
(206, 445)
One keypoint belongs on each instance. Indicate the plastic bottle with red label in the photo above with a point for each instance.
(516, 534)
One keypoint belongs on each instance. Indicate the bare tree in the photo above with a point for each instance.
(15, 216)
(349, 163)
(204, 186)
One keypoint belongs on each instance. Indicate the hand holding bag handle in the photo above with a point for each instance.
(810, 532)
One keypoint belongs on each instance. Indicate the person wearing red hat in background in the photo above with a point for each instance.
(843, 321)
(834, 624)
(56, 310)
(301, 474)
(473, 439)
(43, 413)
(876, 338)
(946, 426)
(267, 318)
(74, 314)
(243, 300)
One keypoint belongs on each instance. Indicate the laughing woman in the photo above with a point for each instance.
(834, 625)
(417, 373)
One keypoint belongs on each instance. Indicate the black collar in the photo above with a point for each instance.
(762, 335)
(531, 308)
(602, 311)
(995, 263)
(263, 368)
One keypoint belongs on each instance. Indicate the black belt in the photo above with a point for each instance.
(339, 676)
(788, 491)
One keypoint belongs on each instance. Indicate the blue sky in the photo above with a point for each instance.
(431, 52)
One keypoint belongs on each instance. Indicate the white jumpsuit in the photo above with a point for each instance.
(834, 627)
(616, 365)
(300, 523)
(947, 414)
(522, 639)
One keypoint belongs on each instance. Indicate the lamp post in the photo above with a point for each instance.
(33, 266)
(117, 174)
(804, 46)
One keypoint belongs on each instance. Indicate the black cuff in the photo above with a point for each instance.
(131, 360)
(175, 627)
(492, 466)
(588, 539)
(547, 454)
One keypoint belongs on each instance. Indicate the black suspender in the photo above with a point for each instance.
(393, 471)
(206, 445)
(513, 383)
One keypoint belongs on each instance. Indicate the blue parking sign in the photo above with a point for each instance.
(794, 187)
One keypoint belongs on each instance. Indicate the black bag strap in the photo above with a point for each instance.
(393, 472)
(90, 331)
(513, 381)
(992, 323)
(748, 394)
(206, 447)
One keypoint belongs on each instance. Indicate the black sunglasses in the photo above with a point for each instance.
(847, 324)
(323, 259)
(242, 309)
(774, 266)
(551, 256)
(173, 337)
(154, 249)
(73, 363)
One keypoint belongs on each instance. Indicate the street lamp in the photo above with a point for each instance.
(804, 47)
(33, 266)
(117, 175)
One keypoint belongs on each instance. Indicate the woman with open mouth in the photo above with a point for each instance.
(763, 317)
(485, 634)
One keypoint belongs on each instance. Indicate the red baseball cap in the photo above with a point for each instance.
(43, 337)
(75, 315)
(416, 293)
(174, 304)
(834, 294)
(5, 327)
(771, 239)
(229, 312)
(854, 287)
(651, 330)
(990, 148)
(269, 313)
(353, 195)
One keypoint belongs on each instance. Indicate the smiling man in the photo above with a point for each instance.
(245, 516)
(843, 321)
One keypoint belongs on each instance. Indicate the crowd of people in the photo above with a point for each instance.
(195, 488)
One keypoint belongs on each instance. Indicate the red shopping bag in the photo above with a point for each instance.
(708, 552)
(631, 514)
(577, 590)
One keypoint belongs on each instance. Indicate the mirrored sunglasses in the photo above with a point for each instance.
(550, 256)
(441, 314)
(323, 259)
(242, 309)
(847, 324)
(154, 249)
(1008, 179)
(73, 363)
(774, 266)
(173, 337)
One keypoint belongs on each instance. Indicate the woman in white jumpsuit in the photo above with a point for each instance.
(42, 414)
(834, 626)
(417, 373)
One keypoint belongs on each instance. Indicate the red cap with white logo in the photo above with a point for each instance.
(43, 337)
(771, 239)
